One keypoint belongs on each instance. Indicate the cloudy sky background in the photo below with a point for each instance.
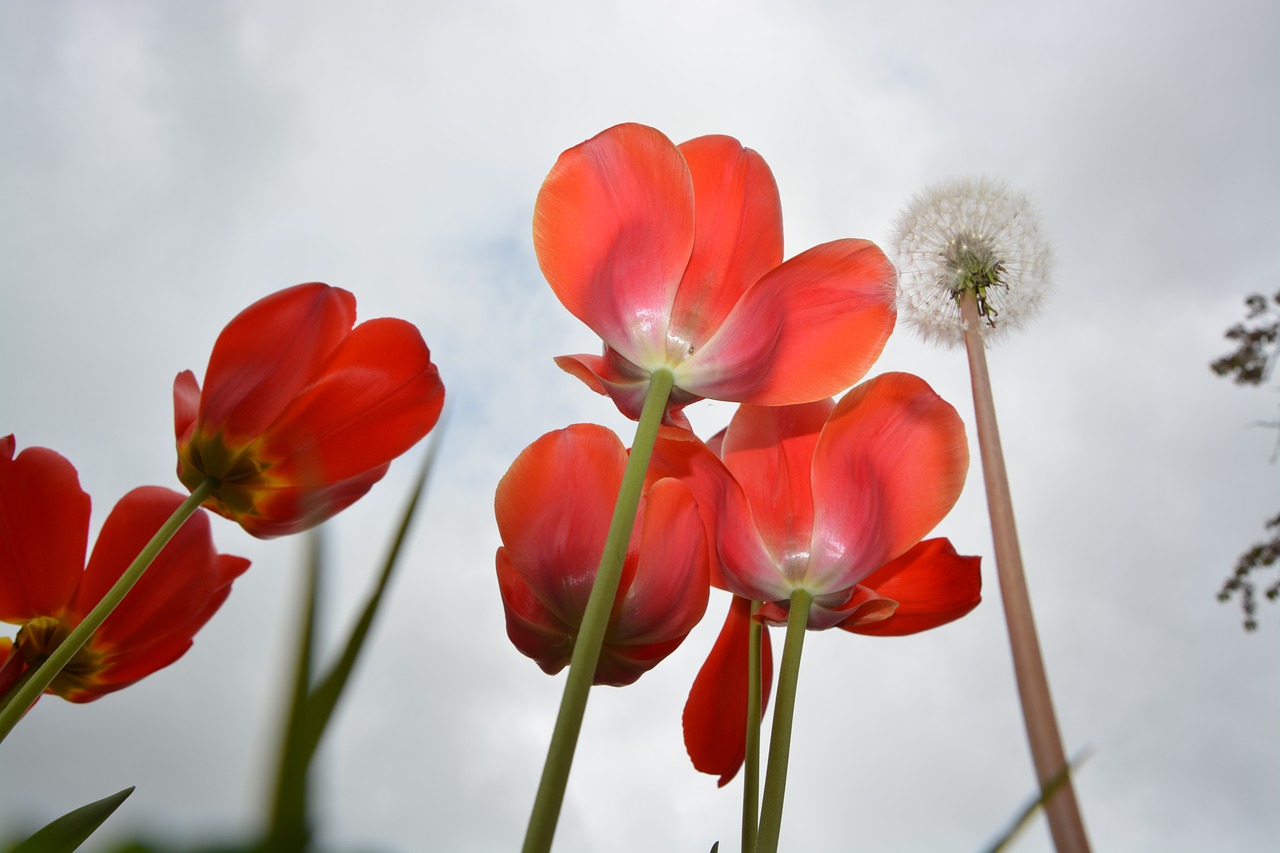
(164, 165)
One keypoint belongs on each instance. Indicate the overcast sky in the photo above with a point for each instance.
(166, 164)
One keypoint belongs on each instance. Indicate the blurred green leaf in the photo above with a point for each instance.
(311, 709)
(70, 831)
(1029, 811)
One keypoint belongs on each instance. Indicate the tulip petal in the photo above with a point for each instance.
(680, 454)
(267, 354)
(613, 231)
(284, 510)
(176, 587)
(553, 508)
(136, 662)
(667, 593)
(533, 629)
(715, 715)
(625, 384)
(44, 530)
(12, 665)
(931, 583)
(372, 400)
(769, 450)
(737, 235)
(890, 463)
(621, 665)
(807, 330)
(186, 402)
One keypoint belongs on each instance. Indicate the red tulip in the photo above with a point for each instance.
(301, 414)
(835, 491)
(673, 256)
(46, 588)
(553, 509)
(832, 498)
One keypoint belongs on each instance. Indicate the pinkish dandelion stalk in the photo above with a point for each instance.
(973, 265)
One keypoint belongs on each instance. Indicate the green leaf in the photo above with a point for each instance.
(70, 831)
(312, 709)
(324, 698)
(289, 812)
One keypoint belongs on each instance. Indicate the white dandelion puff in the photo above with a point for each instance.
(974, 236)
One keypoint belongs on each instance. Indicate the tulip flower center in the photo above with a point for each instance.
(238, 472)
(38, 638)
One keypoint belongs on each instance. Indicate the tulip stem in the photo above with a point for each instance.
(1063, 812)
(751, 770)
(784, 706)
(595, 619)
(25, 696)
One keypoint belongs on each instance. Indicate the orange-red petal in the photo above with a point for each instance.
(613, 228)
(666, 595)
(680, 454)
(287, 509)
(737, 235)
(808, 329)
(186, 402)
(624, 383)
(715, 715)
(890, 463)
(269, 353)
(177, 585)
(932, 585)
(553, 508)
(769, 450)
(374, 398)
(44, 529)
(533, 629)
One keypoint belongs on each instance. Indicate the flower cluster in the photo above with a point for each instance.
(300, 415)
(810, 509)
(672, 254)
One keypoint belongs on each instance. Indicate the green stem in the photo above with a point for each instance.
(27, 695)
(586, 648)
(16, 687)
(784, 707)
(751, 770)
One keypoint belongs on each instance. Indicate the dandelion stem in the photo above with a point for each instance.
(784, 706)
(1065, 822)
(24, 697)
(586, 648)
(751, 771)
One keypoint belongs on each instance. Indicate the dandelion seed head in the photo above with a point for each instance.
(972, 235)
